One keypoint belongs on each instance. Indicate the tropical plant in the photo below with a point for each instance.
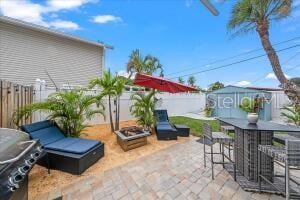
(250, 105)
(208, 111)
(215, 86)
(142, 108)
(140, 64)
(180, 80)
(250, 15)
(108, 85)
(68, 108)
(296, 81)
(191, 81)
(119, 87)
(292, 113)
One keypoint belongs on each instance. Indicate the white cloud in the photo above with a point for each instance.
(273, 77)
(31, 12)
(243, 83)
(23, 10)
(64, 25)
(56, 5)
(123, 73)
(102, 19)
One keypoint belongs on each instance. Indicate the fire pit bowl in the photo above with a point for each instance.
(131, 137)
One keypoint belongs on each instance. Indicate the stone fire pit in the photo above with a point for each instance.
(131, 137)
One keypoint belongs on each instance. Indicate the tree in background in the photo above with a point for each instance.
(250, 15)
(140, 64)
(180, 80)
(296, 81)
(191, 81)
(215, 86)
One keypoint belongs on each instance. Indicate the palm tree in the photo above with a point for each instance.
(69, 108)
(107, 84)
(119, 87)
(250, 15)
(140, 64)
(180, 80)
(191, 81)
(143, 108)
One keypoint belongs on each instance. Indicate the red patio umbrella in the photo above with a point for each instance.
(161, 84)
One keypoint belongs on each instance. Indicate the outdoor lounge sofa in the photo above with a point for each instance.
(164, 129)
(72, 155)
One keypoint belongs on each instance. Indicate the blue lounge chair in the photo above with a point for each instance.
(164, 129)
(73, 155)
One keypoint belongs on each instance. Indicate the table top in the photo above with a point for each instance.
(260, 125)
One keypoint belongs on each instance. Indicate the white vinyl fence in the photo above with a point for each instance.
(176, 104)
(279, 99)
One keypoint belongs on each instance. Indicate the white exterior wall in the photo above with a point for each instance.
(26, 54)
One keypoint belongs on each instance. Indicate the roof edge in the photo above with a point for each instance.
(46, 30)
(249, 88)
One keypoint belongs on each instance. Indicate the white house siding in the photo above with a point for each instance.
(27, 54)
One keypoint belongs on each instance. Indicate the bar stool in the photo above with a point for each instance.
(287, 157)
(228, 129)
(216, 137)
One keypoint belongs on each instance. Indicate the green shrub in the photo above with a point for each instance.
(68, 108)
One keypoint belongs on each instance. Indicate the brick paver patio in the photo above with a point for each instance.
(173, 173)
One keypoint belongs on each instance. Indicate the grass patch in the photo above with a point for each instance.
(196, 125)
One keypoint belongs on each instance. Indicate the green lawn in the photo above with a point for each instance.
(196, 125)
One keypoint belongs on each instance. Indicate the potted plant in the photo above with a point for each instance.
(251, 106)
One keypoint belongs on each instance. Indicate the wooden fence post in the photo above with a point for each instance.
(13, 97)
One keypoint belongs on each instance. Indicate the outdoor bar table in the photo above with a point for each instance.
(246, 140)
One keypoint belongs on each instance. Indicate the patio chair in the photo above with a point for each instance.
(282, 137)
(72, 155)
(163, 128)
(287, 157)
(211, 138)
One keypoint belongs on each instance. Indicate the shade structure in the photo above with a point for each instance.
(161, 84)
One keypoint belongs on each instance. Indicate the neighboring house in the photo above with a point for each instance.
(29, 52)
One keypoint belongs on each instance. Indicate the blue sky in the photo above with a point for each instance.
(181, 33)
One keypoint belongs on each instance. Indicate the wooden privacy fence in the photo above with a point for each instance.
(13, 96)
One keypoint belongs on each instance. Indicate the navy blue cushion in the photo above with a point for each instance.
(161, 115)
(72, 145)
(37, 126)
(165, 126)
(47, 135)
